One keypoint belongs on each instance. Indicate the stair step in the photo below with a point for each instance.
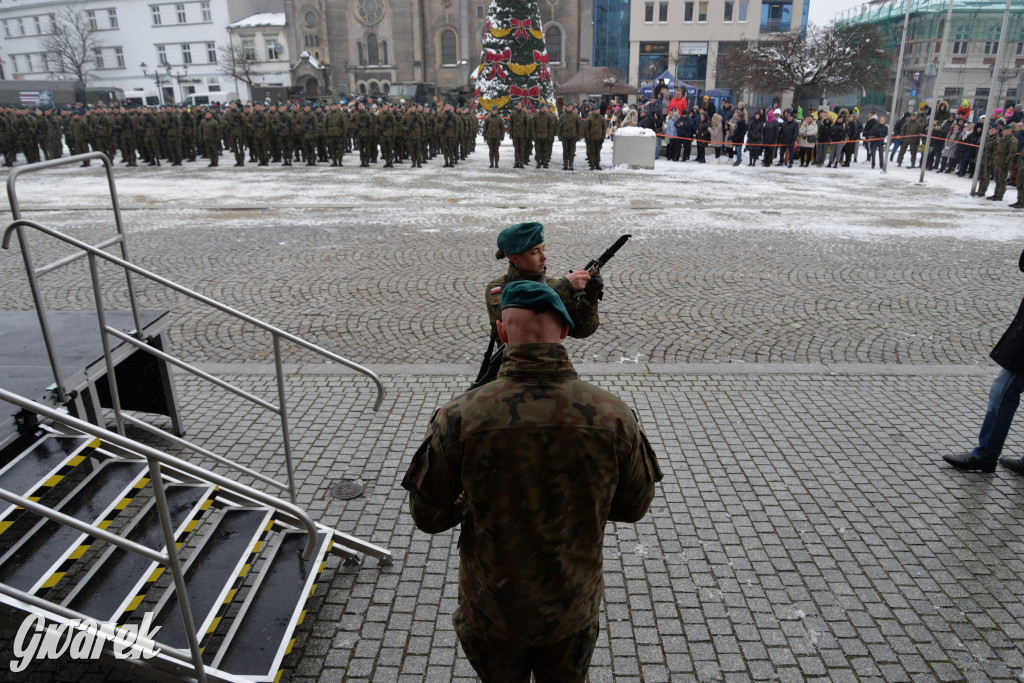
(261, 634)
(214, 574)
(45, 553)
(118, 581)
(39, 468)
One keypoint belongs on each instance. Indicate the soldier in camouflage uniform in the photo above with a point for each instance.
(210, 132)
(570, 128)
(545, 125)
(986, 172)
(533, 465)
(387, 131)
(27, 137)
(234, 133)
(414, 127)
(494, 133)
(580, 291)
(78, 136)
(126, 136)
(448, 125)
(594, 130)
(363, 126)
(8, 137)
(1002, 156)
(336, 128)
(309, 128)
(518, 130)
(173, 137)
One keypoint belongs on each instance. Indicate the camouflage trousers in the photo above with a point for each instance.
(565, 661)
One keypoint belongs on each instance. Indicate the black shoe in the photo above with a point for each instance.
(735, 163)
(1013, 464)
(968, 463)
(1017, 205)
(994, 198)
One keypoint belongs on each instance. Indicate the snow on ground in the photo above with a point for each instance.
(855, 202)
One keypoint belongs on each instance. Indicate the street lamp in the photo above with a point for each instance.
(156, 77)
(178, 76)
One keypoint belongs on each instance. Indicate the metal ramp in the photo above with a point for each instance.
(98, 529)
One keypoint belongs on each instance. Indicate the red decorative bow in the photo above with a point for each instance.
(520, 25)
(497, 58)
(543, 60)
(516, 91)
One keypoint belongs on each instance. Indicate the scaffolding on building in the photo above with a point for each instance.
(970, 59)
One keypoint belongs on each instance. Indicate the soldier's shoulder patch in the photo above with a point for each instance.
(496, 289)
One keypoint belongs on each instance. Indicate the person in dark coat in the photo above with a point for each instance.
(1003, 399)
(739, 133)
(755, 136)
(687, 130)
(703, 136)
(788, 133)
(771, 138)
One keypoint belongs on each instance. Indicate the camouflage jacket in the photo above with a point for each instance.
(533, 465)
(581, 306)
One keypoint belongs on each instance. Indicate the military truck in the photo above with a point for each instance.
(41, 93)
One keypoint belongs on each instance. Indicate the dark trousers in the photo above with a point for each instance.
(565, 661)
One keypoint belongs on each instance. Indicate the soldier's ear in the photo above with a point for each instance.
(503, 333)
(564, 332)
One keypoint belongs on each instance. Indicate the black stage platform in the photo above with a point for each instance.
(144, 382)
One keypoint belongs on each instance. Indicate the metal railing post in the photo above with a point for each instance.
(175, 564)
(108, 360)
(282, 407)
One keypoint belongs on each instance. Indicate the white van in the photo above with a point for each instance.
(198, 99)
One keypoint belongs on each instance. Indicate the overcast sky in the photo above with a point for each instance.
(824, 11)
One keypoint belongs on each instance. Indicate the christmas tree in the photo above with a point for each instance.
(514, 64)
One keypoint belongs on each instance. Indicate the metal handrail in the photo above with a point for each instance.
(93, 253)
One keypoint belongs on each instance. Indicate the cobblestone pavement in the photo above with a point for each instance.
(804, 531)
(799, 380)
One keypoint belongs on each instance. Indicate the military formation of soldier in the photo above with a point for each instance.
(285, 133)
(289, 133)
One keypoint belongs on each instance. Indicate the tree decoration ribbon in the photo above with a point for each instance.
(496, 58)
(543, 59)
(521, 26)
(516, 91)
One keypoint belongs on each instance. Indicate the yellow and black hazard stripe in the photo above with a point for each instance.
(77, 553)
(302, 616)
(158, 570)
(239, 580)
(36, 494)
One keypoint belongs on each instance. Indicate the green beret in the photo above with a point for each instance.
(520, 237)
(535, 296)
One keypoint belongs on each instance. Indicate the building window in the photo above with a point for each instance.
(311, 40)
(688, 12)
(90, 16)
(248, 49)
(449, 53)
(207, 15)
(960, 40)
(119, 56)
(179, 10)
(362, 53)
(211, 53)
(310, 18)
(274, 49)
(7, 29)
(648, 12)
(702, 11)
(384, 52)
(112, 18)
(553, 40)
(479, 11)
(186, 54)
(662, 12)
(952, 92)
(992, 41)
(155, 9)
(743, 11)
(727, 14)
(161, 55)
(372, 49)
(21, 26)
(775, 16)
(39, 26)
(97, 57)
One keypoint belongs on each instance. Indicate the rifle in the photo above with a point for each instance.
(493, 357)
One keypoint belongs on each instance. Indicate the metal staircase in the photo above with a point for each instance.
(114, 540)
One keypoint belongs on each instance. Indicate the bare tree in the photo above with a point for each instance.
(71, 44)
(833, 58)
(238, 62)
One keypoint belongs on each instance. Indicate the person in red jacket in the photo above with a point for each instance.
(679, 102)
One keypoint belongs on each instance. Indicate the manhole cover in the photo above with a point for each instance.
(347, 490)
